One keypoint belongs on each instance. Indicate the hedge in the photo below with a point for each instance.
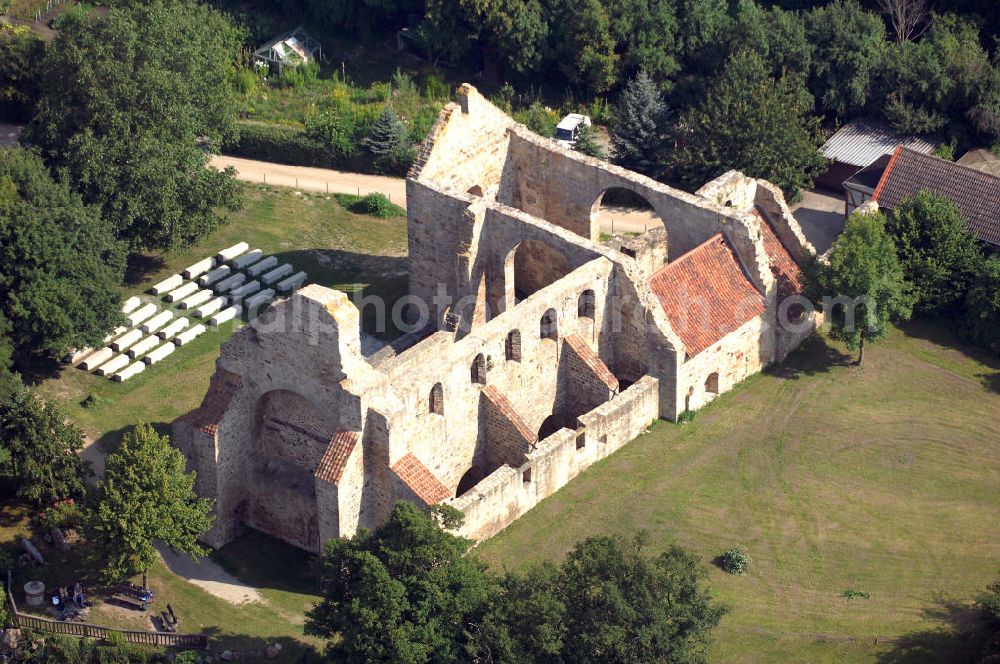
(288, 145)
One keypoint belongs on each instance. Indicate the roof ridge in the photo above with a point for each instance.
(888, 171)
(690, 252)
(972, 171)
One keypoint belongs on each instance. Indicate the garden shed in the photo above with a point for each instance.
(290, 49)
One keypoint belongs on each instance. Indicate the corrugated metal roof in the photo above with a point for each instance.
(862, 141)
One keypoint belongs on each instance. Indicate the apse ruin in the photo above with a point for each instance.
(543, 349)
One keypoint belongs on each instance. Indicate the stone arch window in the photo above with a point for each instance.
(548, 327)
(729, 202)
(617, 210)
(526, 476)
(585, 306)
(475, 190)
(435, 403)
(512, 348)
(712, 383)
(479, 370)
(531, 266)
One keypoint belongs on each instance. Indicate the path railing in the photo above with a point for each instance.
(82, 629)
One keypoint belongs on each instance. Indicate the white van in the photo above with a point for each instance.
(566, 130)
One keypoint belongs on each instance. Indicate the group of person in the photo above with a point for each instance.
(62, 598)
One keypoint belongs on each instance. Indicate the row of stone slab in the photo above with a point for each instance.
(146, 351)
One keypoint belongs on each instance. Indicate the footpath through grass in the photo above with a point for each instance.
(884, 479)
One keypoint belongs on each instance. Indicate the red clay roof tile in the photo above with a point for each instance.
(422, 481)
(786, 271)
(331, 466)
(592, 360)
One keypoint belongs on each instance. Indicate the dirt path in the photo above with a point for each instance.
(211, 578)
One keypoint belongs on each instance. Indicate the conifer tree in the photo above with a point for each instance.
(389, 143)
(638, 136)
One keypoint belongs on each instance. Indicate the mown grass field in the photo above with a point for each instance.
(884, 479)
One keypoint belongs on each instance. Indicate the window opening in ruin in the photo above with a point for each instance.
(581, 440)
(549, 327)
(436, 401)
(618, 210)
(513, 346)
(526, 476)
(604, 440)
(712, 383)
(585, 306)
(475, 190)
(533, 265)
(479, 370)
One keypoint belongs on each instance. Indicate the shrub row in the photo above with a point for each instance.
(288, 145)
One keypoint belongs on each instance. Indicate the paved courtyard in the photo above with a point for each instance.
(821, 216)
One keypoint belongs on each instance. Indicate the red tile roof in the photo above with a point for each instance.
(221, 389)
(503, 404)
(977, 194)
(422, 481)
(706, 295)
(592, 360)
(331, 466)
(786, 271)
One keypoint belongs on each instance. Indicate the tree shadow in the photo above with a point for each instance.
(813, 356)
(138, 267)
(963, 635)
(265, 562)
(943, 333)
(250, 648)
(36, 369)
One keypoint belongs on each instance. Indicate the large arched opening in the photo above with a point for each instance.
(532, 266)
(620, 211)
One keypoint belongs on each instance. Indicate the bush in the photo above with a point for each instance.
(990, 601)
(62, 514)
(735, 561)
(278, 143)
(852, 593)
(375, 205)
(435, 87)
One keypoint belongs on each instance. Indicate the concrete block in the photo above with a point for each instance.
(114, 365)
(247, 259)
(75, 356)
(131, 305)
(189, 334)
(143, 345)
(263, 266)
(199, 268)
(292, 283)
(167, 284)
(230, 283)
(142, 313)
(276, 274)
(210, 307)
(243, 291)
(255, 302)
(218, 274)
(126, 340)
(157, 321)
(172, 330)
(129, 371)
(158, 353)
(226, 315)
(200, 297)
(182, 292)
(232, 252)
(115, 333)
(96, 359)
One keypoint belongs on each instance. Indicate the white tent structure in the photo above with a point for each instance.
(289, 50)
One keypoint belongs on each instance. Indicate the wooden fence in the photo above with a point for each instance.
(82, 629)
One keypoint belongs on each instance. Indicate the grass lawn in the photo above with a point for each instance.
(354, 253)
(884, 479)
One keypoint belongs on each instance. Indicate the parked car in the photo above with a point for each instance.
(568, 127)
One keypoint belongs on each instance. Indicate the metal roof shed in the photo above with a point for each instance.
(860, 143)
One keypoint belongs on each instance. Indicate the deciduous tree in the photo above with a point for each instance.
(982, 307)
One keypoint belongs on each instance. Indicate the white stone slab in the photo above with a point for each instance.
(167, 284)
(126, 340)
(96, 359)
(200, 297)
(277, 273)
(232, 252)
(230, 283)
(248, 259)
(75, 356)
(115, 333)
(292, 283)
(141, 314)
(157, 321)
(189, 334)
(114, 365)
(199, 268)
(143, 345)
(210, 307)
(131, 305)
(258, 300)
(172, 330)
(243, 291)
(217, 274)
(129, 371)
(158, 353)
(226, 315)
(260, 268)
(182, 292)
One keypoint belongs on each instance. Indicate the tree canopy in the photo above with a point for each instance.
(639, 130)
(130, 105)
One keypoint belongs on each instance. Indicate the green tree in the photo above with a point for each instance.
(145, 495)
(131, 104)
(389, 143)
(584, 47)
(21, 50)
(39, 448)
(586, 142)
(525, 622)
(646, 34)
(850, 45)
(982, 306)
(405, 592)
(60, 266)
(938, 254)
(518, 30)
(706, 32)
(638, 133)
(863, 287)
(753, 123)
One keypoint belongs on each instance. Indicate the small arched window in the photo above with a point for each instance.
(585, 306)
(512, 349)
(712, 383)
(479, 370)
(436, 401)
(548, 327)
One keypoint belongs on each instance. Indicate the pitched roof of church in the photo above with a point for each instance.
(706, 294)
(334, 461)
(785, 269)
(420, 480)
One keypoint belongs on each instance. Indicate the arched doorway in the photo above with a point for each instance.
(620, 211)
(532, 266)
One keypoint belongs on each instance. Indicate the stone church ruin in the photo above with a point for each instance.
(547, 348)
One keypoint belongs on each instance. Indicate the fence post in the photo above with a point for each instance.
(265, 179)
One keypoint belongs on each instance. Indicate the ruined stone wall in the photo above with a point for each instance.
(735, 357)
